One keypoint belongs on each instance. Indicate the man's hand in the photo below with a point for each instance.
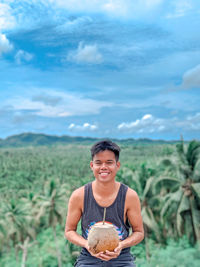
(98, 255)
(107, 255)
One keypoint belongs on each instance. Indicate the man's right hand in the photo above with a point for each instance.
(105, 256)
(97, 255)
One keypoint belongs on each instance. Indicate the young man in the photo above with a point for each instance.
(122, 210)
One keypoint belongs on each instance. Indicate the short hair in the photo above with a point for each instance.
(105, 145)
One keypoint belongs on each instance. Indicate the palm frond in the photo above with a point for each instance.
(196, 189)
(149, 220)
(195, 217)
(172, 197)
(167, 182)
(183, 207)
(192, 154)
(148, 186)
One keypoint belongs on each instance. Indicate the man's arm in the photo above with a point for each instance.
(75, 208)
(133, 211)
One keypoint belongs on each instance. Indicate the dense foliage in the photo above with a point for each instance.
(36, 182)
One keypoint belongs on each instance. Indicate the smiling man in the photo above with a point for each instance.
(87, 204)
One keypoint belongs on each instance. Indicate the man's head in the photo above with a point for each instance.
(105, 145)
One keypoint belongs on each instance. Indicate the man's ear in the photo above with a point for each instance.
(91, 165)
(118, 164)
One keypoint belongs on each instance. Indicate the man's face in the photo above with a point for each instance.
(104, 166)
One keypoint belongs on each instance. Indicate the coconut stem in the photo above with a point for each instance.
(104, 215)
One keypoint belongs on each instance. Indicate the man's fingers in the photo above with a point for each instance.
(110, 253)
(106, 257)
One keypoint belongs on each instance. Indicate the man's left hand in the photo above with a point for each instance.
(108, 255)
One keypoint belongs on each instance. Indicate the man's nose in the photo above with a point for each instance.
(103, 165)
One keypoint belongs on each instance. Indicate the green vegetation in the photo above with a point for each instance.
(36, 182)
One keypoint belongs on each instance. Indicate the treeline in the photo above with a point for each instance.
(36, 182)
(31, 139)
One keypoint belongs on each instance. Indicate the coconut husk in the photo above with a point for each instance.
(102, 237)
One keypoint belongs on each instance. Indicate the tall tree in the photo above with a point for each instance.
(182, 195)
(51, 203)
(18, 221)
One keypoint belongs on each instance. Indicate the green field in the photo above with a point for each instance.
(36, 182)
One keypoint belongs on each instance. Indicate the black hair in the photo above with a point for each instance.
(105, 145)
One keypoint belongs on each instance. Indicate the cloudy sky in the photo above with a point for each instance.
(100, 68)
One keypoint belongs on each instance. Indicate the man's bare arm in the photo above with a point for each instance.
(135, 218)
(75, 208)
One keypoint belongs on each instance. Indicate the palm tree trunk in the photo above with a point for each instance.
(16, 253)
(146, 243)
(57, 248)
(24, 248)
(24, 257)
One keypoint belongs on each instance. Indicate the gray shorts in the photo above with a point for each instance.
(125, 259)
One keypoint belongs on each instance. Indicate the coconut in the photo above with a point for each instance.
(102, 237)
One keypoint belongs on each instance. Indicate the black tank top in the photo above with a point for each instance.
(93, 212)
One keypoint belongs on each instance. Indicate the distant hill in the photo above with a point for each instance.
(32, 139)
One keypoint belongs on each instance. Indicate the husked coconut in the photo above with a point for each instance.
(103, 237)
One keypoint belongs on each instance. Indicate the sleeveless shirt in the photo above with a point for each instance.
(93, 213)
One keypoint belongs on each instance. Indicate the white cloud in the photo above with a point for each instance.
(147, 124)
(93, 6)
(5, 45)
(84, 127)
(115, 7)
(190, 123)
(7, 21)
(85, 54)
(18, 15)
(22, 56)
(72, 24)
(191, 78)
(30, 14)
(119, 8)
(181, 8)
(68, 104)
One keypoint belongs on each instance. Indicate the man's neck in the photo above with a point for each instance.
(104, 189)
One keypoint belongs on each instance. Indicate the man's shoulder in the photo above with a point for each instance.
(132, 199)
(131, 194)
(78, 193)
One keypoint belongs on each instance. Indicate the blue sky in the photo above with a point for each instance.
(100, 68)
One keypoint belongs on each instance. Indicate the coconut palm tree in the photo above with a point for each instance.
(181, 209)
(50, 204)
(18, 222)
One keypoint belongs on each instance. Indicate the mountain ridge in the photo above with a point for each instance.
(41, 139)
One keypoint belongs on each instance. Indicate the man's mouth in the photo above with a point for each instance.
(104, 174)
